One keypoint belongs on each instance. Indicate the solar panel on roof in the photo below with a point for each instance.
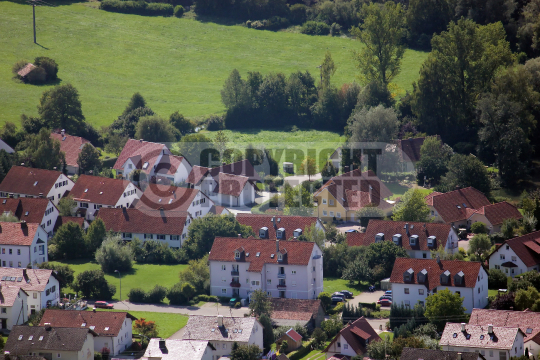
(19, 279)
(4, 278)
(13, 278)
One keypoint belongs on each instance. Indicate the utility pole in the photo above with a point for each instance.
(35, 3)
(34, 11)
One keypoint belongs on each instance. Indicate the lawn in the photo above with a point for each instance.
(144, 276)
(176, 64)
(331, 285)
(168, 323)
(387, 334)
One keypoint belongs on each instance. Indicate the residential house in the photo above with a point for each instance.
(409, 152)
(59, 343)
(417, 238)
(342, 196)
(6, 147)
(13, 307)
(356, 239)
(179, 349)
(169, 227)
(223, 331)
(94, 192)
(455, 207)
(155, 160)
(230, 185)
(113, 330)
(21, 357)
(432, 354)
(285, 269)
(172, 198)
(352, 340)
(492, 342)
(219, 210)
(518, 255)
(61, 220)
(32, 210)
(41, 285)
(293, 339)
(71, 146)
(280, 227)
(413, 280)
(291, 312)
(493, 215)
(527, 321)
(22, 244)
(22, 181)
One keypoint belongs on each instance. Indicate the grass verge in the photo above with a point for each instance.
(332, 285)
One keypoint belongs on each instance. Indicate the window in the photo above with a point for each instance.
(293, 272)
(224, 346)
(498, 267)
(223, 279)
(280, 257)
(237, 255)
(507, 247)
(345, 346)
(502, 255)
(406, 290)
(424, 255)
(338, 215)
(479, 290)
(269, 282)
(458, 292)
(255, 283)
(148, 236)
(84, 205)
(421, 303)
(11, 264)
(420, 291)
(127, 235)
(514, 258)
(325, 213)
(324, 201)
(10, 251)
(331, 202)
(19, 265)
(338, 344)
(160, 237)
(223, 291)
(490, 353)
(502, 355)
(483, 352)
(331, 213)
(3, 251)
(4, 310)
(175, 237)
(293, 283)
(35, 296)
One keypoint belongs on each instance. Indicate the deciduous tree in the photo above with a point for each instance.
(444, 305)
(66, 206)
(260, 304)
(88, 159)
(60, 108)
(95, 235)
(92, 284)
(155, 129)
(376, 124)
(41, 151)
(69, 240)
(465, 171)
(411, 207)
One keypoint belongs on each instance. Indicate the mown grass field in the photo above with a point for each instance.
(331, 285)
(144, 276)
(177, 64)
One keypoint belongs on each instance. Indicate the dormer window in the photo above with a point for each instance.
(379, 237)
(408, 275)
(237, 254)
(431, 241)
(280, 233)
(280, 257)
(459, 278)
(263, 233)
(422, 276)
(445, 277)
(413, 240)
(397, 239)
(297, 233)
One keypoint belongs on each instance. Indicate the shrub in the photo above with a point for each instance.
(338, 309)
(201, 298)
(335, 29)
(175, 295)
(49, 65)
(238, 305)
(298, 14)
(213, 298)
(277, 22)
(137, 295)
(315, 28)
(497, 279)
(215, 123)
(137, 7)
(278, 181)
(178, 11)
(156, 295)
(38, 75)
(112, 255)
(479, 228)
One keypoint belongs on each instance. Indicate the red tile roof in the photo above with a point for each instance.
(31, 210)
(497, 213)
(61, 220)
(240, 168)
(356, 334)
(527, 321)
(98, 190)
(197, 174)
(470, 269)
(17, 233)
(31, 279)
(9, 293)
(288, 222)
(168, 165)
(298, 252)
(423, 230)
(167, 197)
(26, 69)
(143, 221)
(294, 335)
(452, 206)
(228, 184)
(105, 323)
(429, 354)
(71, 146)
(410, 148)
(59, 339)
(29, 181)
(142, 150)
(503, 338)
(525, 247)
(295, 309)
(356, 239)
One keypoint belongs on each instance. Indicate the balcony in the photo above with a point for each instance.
(235, 273)
(281, 275)
(235, 284)
(282, 286)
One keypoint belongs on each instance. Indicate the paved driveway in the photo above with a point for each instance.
(298, 179)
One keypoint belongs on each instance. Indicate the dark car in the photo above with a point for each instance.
(347, 293)
(339, 294)
(387, 297)
(103, 305)
(385, 302)
(337, 299)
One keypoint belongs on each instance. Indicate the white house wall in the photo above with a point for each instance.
(345, 348)
(182, 172)
(16, 314)
(38, 300)
(49, 220)
(58, 190)
(223, 348)
(22, 255)
(517, 349)
(495, 261)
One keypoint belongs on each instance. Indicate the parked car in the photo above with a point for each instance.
(388, 292)
(347, 293)
(351, 231)
(389, 297)
(385, 302)
(232, 302)
(103, 305)
(337, 299)
(339, 294)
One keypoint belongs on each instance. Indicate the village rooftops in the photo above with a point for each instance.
(429, 354)
(29, 181)
(176, 349)
(61, 220)
(143, 221)
(457, 205)
(358, 334)
(166, 197)
(433, 273)
(27, 279)
(220, 328)
(479, 336)
(140, 151)
(31, 210)
(71, 146)
(98, 189)
(527, 321)
(102, 323)
(25, 339)
(272, 223)
(497, 213)
(12, 233)
(356, 239)
(9, 293)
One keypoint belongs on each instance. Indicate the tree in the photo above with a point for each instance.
(358, 270)
(115, 143)
(112, 255)
(379, 349)
(425, 18)
(370, 211)
(377, 124)
(479, 228)
(41, 151)
(283, 347)
(434, 158)
(88, 159)
(412, 207)
(8, 217)
(332, 326)
(381, 257)
(49, 65)
(60, 108)
(328, 69)
(497, 279)
(64, 273)
(155, 129)
(197, 274)
(92, 284)
(314, 234)
(465, 171)
(308, 167)
(527, 299)
(260, 304)
(136, 101)
(126, 124)
(480, 246)
(268, 334)
(509, 228)
(328, 171)
(185, 126)
(245, 352)
(149, 329)
(319, 338)
(382, 34)
(234, 91)
(95, 235)
(220, 142)
(326, 299)
(66, 206)
(69, 240)
(444, 305)
(297, 201)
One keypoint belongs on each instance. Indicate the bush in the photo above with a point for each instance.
(497, 279)
(137, 7)
(278, 181)
(277, 22)
(136, 295)
(201, 298)
(38, 75)
(215, 123)
(298, 14)
(178, 11)
(212, 298)
(315, 28)
(158, 9)
(156, 295)
(479, 228)
(112, 255)
(238, 305)
(335, 29)
(176, 296)
(49, 65)
(338, 309)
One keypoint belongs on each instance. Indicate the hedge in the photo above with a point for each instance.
(315, 28)
(372, 306)
(137, 7)
(301, 352)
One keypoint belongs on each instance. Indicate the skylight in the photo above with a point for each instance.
(92, 327)
(106, 328)
(145, 165)
(83, 324)
(529, 331)
(170, 201)
(86, 190)
(26, 213)
(459, 207)
(258, 254)
(159, 200)
(20, 337)
(40, 338)
(464, 205)
(30, 337)
(481, 337)
(455, 335)
(101, 193)
(35, 183)
(272, 256)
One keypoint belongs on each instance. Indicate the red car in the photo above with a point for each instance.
(103, 305)
(385, 302)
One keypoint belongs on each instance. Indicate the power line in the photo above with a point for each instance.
(35, 3)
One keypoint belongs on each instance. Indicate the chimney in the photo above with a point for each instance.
(41, 195)
(162, 346)
(458, 356)
(63, 132)
(407, 229)
(24, 226)
(94, 310)
(220, 320)
(346, 169)
(490, 329)
(370, 194)
(239, 235)
(48, 327)
(463, 327)
(277, 245)
(438, 259)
